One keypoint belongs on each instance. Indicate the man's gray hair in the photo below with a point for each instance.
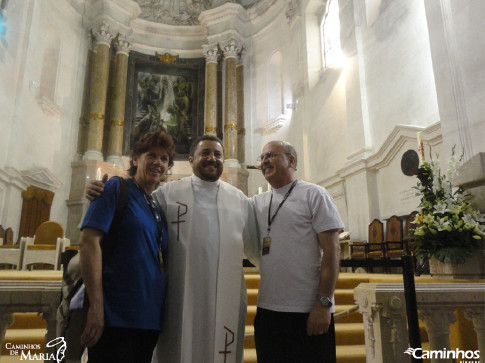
(290, 150)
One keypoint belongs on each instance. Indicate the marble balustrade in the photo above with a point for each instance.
(41, 296)
(383, 308)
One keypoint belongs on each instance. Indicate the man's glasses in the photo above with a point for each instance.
(269, 155)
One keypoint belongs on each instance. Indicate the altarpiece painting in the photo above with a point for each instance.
(164, 96)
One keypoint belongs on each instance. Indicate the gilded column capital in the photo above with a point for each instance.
(122, 45)
(103, 35)
(211, 53)
(231, 48)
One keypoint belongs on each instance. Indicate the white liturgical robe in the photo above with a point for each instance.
(210, 224)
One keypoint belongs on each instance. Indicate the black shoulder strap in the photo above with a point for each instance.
(108, 241)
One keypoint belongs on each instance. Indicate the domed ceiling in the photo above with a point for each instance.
(182, 12)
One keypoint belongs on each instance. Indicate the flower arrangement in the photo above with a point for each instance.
(447, 228)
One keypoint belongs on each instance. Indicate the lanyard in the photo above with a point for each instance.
(158, 218)
(271, 219)
(153, 208)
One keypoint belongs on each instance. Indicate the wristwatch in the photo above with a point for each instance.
(325, 301)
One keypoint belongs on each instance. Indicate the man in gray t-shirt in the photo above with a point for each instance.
(299, 225)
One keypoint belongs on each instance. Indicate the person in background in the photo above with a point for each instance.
(127, 291)
(299, 225)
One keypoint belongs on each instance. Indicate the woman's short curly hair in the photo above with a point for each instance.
(149, 140)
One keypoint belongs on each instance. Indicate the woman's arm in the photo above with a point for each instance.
(91, 267)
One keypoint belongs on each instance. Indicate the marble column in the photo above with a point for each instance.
(211, 53)
(438, 321)
(477, 316)
(6, 320)
(241, 131)
(98, 89)
(82, 142)
(115, 141)
(231, 50)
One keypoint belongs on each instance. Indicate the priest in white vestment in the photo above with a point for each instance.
(210, 224)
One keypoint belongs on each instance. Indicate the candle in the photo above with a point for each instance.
(269, 187)
(420, 147)
(98, 174)
(260, 190)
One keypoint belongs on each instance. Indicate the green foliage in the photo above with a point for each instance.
(447, 227)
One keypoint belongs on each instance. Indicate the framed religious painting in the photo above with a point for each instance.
(165, 93)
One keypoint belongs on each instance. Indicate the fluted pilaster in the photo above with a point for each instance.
(116, 124)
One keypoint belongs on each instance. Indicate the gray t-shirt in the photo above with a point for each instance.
(290, 273)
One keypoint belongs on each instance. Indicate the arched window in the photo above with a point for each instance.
(330, 36)
(50, 62)
(275, 86)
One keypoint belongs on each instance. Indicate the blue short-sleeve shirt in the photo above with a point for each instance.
(133, 283)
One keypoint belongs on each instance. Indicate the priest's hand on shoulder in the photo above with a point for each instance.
(318, 320)
(95, 188)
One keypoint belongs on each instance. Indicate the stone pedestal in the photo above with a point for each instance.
(83, 172)
(473, 268)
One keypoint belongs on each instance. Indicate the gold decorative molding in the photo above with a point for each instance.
(117, 123)
(230, 126)
(96, 115)
(167, 58)
(241, 131)
(208, 129)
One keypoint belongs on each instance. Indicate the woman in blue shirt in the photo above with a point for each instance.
(127, 292)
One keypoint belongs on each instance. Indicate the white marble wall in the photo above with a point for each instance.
(38, 134)
(353, 123)
(410, 65)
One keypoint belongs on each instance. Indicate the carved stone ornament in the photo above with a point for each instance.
(182, 12)
(122, 45)
(292, 10)
(230, 48)
(167, 58)
(211, 53)
(274, 125)
(103, 35)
